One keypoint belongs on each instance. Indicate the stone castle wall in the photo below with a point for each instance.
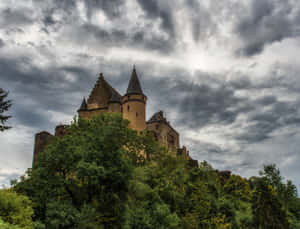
(165, 134)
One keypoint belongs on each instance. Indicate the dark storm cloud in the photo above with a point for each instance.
(268, 22)
(89, 33)
(112, 8)
(196, 104)
(203, 24)
(37, 91)
(202, 105)
(50, 89)
(71, 25)
(30, 115)
(49, 10)
(263, 123)
(154, 10)
(16, 17)
(215, 102)
(205, 102)
(1, 43)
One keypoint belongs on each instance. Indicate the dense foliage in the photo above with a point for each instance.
(103, 175)
(15, 210)
(4, 106)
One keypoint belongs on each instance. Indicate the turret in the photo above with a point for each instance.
(40, 142)
(60, 130)
(134, 104)
(83, 109)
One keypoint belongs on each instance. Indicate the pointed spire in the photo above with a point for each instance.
(83, 106)
(101, 77)
(134, 86)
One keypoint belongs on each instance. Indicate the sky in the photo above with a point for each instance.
(225, 72)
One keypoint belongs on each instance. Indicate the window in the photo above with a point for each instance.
(136, 114)
(156, 127)
(154, 135)
(171, 139)
(128, 108)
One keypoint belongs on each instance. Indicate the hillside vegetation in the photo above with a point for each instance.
(103, 175)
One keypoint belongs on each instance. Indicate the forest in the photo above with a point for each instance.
(104, 175)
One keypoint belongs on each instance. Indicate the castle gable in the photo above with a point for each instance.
(157, 117)
(101, 95)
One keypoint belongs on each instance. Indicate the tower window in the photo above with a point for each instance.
(128, 107)
(137, 114)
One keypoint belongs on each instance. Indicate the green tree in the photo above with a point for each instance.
(238, 187)
(88, 170)
(156, 192)
(4, 106)
(15, 210)
(287, 192)
(267, 208)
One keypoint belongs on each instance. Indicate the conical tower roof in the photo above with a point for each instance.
(83, 106)
(134, 86)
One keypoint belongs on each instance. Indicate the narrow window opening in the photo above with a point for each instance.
(128, 108)
(137, 114)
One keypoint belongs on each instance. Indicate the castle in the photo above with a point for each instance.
(132, 106)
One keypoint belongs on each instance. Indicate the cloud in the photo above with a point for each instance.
(2, 44)
(155, 9)
(203, 24)
(268, 22)
(112, 9)
(6, 178)
(15, 17)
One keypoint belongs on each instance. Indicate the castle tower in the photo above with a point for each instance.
(40, 142)
(134, 104)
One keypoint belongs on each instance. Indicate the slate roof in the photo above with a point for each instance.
(157, 117)
(115, 96)
(134, 86)
(83, 106)
(102, 87)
